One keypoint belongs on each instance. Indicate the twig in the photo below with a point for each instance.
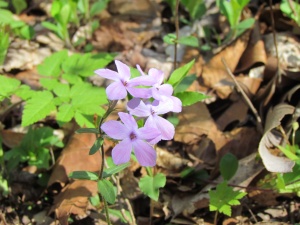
(292, 8)
(275, 40)
(248, 101)
(176, 32)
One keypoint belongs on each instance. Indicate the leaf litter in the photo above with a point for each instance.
(206, 131)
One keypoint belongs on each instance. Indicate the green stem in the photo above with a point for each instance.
(177, 31)
(106, 209)
(149, 171)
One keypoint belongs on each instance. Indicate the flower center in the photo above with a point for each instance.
(124, 83)
(132, 136)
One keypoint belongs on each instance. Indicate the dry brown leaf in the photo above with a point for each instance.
(10, 138)
(274, 163)
(74, 157)
(214, 74)
(196, 121)
(73, 199)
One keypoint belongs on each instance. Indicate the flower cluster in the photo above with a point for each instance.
(151, 98)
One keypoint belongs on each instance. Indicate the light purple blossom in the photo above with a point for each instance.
(131, 138)
(152, 111)
(159, 91)
(118, 89)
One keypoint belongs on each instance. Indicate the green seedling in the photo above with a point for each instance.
(291, 9)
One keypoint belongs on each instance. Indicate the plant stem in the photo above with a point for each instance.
(216, 218)
(177, 31)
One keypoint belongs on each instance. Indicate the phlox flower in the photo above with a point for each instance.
(159, 91)
(131, 138)
(118, 89)
(152, 111)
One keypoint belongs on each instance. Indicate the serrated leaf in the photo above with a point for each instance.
(72, 78)
(84, 120)
(150, 185)
(48, 83)
(228, 166)
(223, 198)
(8, 86)
(62, 90)
(37, 108)
(96, 146)
(83, 175)
(178, 75)
(25, 92)
(189, 97)
(65, 113)
(116, 169)
(52, 64)
(107, 190)
(189, 41)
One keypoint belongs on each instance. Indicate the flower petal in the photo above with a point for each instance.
(138, 108)
(177, 104)
(145, 153)
(128, 121)
(157, 75)
(124, 70)
(116, 91)
(121, 152)
(108, 74)
(115, 129)
(162, 90)
(140, 92)
(148, 132)
(162, 107)
(165, 127)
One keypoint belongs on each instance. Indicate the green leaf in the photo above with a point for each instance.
(19, 5)
(196, 8)
(4, 44)
(189, 41)
(65, 113)
(6, 17)
(150, 185)
(87, 130)
(107, 190)
(223, 198)
(27, 32)
(98, 7)
(189, 97)
(8, 86)
(119, 214)
(84, 120)
(49, 83)
(96, 146)
(228, 166)
(116, 169)
(83, 175)
(52, 64)
(25, 92)
(38, 108)
(185, 83)
(72, 78)
(62, 90)
(50, 26)
(178, 75)
(170, 39)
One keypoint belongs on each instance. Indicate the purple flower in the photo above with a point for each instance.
(152, 110)
(131, 138)
(159, 91)
(118, 89)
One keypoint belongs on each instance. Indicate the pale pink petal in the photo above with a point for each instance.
(140, 70)
(139, 92)
(150, 123)
(148, 132)
(116, 91)
(157, 75)
(115, 129)
(165, 127)
(145, 153)
(162, 90)
(162, 107)
(138, 108)
(121, 152)
(177, 104)
(124, 70)
(108, 74)
(128, 121)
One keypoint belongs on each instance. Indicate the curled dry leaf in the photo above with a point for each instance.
(274, 163)
(73, 199)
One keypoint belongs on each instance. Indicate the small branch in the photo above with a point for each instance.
(248, 101)
(177, 31)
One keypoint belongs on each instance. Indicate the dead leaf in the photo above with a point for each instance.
(274, 163)
(214, 74)
(74, 157)
(11, 138)
(73, 199)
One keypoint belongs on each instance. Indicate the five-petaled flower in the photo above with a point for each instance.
(131, 138)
